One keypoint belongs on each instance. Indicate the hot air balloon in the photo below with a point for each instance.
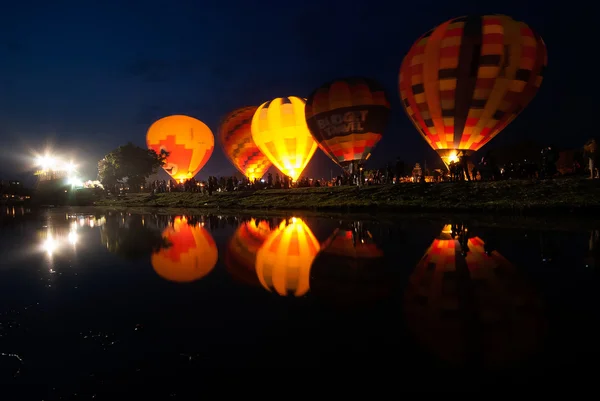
(239, 147)
(240, 257)
(350, 269)
(467, 305)
(191, 256)
(190, 144)
(283, 262)
(464, 81)
(280, 132)
(347, 118)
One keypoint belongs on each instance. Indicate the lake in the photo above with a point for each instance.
(101, 301)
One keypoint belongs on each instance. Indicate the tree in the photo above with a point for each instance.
(133, 240)
(131, 162)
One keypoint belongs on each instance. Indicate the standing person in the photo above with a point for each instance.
(591, 151)
(464, 162)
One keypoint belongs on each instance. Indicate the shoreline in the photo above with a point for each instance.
(562, 196)
(547, 222)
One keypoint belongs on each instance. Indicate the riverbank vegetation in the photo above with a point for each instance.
(563, 196)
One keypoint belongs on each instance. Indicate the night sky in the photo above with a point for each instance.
(87, 78)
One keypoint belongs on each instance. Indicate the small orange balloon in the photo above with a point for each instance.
(190, 144)
(191, 256)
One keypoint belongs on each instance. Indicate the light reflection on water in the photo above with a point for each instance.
(436, 293)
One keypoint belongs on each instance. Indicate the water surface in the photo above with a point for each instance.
(94, 303)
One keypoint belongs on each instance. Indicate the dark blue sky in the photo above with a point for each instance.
(89, 78)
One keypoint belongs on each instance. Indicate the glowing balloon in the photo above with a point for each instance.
(240, 256)
(279, 130)
(347, 118)
(464, 81)
(239, 147)
(191, 256)
(283, 262)
(463, 302)
(189, 141)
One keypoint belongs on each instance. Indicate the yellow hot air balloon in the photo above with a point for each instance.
(283, 262)
(191, 256)
(279, 130)
(190, 144)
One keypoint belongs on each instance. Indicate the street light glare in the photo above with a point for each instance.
(51, 163)
(46, 162)
(70, 167)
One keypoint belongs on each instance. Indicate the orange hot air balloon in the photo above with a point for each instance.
(463, 302)
(464, 81)
(240, 257)
(347, 118)
(279, 130)
(191, 256)
(283, 262)
(190, 144)
(350, 269)
(239, 147)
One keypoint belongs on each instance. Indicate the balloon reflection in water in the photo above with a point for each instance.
(191, 256)
(283, 262)
(240, 256)
(473, 307)
(350, 267)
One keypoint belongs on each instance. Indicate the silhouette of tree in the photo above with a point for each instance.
(131, 162)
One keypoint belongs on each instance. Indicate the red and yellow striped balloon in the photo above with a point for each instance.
(347, 118)
(190, 144)
(462, 301)
(240, 256)
(235, 136)
(464, 81)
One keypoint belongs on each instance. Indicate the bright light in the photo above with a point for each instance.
(50, 245)
(452, 157)
(52, 163)
(72, 237)
(70, 167)
(46, 162)
(75, 182)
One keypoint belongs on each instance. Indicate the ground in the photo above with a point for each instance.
(558, 196)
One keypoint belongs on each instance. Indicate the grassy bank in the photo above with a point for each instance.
(568, 195)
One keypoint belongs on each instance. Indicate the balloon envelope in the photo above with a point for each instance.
(464, 303)
(283, 262)
(279, 130)
(240, 257)
(347, 118)
(239, 147)
(191, 256)
(190, 144)
(464, 81)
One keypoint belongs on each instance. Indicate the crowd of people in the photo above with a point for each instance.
(461, 169)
